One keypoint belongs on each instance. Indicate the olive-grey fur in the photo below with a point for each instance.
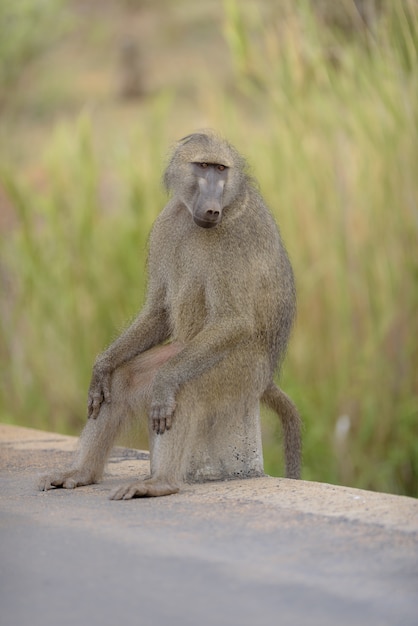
(224, 299)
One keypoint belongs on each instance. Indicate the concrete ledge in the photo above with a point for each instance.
(238, 552)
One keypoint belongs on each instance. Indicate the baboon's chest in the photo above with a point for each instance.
(187, 308)
(187, 294)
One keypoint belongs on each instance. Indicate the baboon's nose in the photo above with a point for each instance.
(211, 213)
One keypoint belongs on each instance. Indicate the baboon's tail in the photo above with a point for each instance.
(276, 399)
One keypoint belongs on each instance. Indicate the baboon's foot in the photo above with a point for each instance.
(67, 480)
(148, 488)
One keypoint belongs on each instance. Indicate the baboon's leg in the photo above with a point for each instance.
(130, 391)
(208, 440)
(94, 447)
(278, 401)
(165, 479)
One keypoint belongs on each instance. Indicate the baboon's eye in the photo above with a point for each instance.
(221, 167)
(203, 165)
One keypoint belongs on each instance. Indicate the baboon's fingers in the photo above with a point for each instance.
(144, 488)
(48, 482)
(106, 388)
(44, 483)
(99, 392)
(95, 403)
(159, 425)
(69, 479)
(127, 492)
(162, 416)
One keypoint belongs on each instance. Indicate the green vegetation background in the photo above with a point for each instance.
(325, 107)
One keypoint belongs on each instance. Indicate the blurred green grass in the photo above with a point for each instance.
(328, 119)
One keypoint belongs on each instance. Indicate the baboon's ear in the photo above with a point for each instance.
(168, 179)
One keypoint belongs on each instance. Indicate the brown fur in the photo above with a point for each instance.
(223, 296)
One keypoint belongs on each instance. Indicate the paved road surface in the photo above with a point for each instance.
(263, 551)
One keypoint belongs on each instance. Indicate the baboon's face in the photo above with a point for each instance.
(206, 175)
(207, 200)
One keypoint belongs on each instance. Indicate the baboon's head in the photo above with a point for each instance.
(205, 173)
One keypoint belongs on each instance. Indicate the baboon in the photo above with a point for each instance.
(214, 328)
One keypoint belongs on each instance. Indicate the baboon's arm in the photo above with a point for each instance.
(204, 351)
(149, 329)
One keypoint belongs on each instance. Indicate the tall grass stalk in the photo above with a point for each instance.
(329, 122)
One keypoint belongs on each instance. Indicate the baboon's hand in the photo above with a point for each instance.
(162, 411)
(99, 390)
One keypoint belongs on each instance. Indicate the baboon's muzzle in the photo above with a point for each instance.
(207, 210)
